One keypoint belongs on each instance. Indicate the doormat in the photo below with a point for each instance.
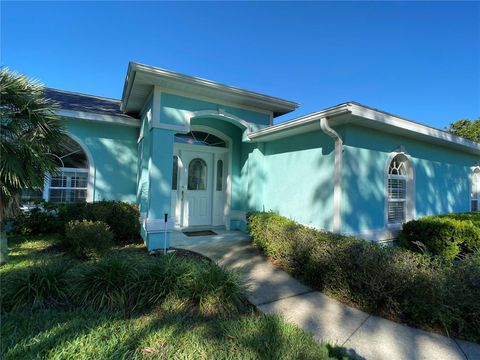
(199, 233)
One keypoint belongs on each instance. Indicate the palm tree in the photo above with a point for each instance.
(29, 132)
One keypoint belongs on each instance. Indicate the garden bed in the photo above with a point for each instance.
(198, 310)
(429, 292)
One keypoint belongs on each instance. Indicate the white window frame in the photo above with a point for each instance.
(61, 171)
(474, 170)
(409, 190)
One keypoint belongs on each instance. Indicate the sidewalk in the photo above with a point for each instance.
(273, 291)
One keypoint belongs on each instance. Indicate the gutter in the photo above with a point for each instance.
(337, 187)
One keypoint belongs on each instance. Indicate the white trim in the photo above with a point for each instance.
(376, 116)
(410, 206)
(109, 119)
(404, 124)
(337, 187)
(472, 171)
(91, 168)
(217, 114)
(178, 128)
(197, 85)
(156, 108)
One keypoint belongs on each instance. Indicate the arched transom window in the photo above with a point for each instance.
(69, 183)
(397, 189)
(200, 138)
(475, 195)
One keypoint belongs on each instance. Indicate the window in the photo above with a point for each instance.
(397, 189)
(197, 175)
(475, 195)
(175, 173)
(219, 186)
(200, 138)
(69, 183)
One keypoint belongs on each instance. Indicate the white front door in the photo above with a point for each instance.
(196, 188)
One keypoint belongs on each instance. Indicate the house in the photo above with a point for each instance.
(206, 153)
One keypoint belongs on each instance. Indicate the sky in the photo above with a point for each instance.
(419, 60)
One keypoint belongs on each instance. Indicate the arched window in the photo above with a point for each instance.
(197, 175)
(399, 183)
(475, 195)
(200, 138)
(69, 183)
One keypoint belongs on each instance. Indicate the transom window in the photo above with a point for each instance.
(397, 180)
(197, 175)
(200, 138)
(475, 195)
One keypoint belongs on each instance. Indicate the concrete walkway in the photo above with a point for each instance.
(273, 291)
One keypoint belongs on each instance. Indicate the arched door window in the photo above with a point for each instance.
(197, 175)
(200, 138)
(398, 189)
(475, 195)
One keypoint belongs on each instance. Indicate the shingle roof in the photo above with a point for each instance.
(87, 103)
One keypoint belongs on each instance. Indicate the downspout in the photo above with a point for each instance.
(337, 188)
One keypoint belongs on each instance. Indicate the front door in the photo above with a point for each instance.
(197, 188)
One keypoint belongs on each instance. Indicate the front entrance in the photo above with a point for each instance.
(199, 181)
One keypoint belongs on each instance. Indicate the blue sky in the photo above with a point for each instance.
(417, 60)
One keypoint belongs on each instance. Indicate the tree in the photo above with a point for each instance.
(29, 132)
(468, 129)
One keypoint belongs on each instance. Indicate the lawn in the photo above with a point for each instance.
(171, 329)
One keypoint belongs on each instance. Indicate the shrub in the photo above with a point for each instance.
(121, 217)
(86, 239)
(441, 235)
(43, 285)
(214, 289)
(106, 284)
(38, 220)
(420, 290)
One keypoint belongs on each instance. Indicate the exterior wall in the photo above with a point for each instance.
(174, 108)
(296, 178)
(114, 152)
(441, 178)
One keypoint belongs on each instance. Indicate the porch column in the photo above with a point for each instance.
(160, 188)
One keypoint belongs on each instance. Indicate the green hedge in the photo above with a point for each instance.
(87, 239)
(419, 290)
(48, 218)
(447, 235)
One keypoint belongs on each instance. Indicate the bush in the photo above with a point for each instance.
(86, 239)
(36, 221)
(40, 286)
(396, 283)
(122, 218)
(447, 236)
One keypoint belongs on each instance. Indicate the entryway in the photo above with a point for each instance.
(200, 180)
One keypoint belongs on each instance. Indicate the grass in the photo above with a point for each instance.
(173, 329)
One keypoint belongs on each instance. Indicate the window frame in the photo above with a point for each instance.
(475, 170)
(409, 199)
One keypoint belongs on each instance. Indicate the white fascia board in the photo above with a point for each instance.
(411, 126)
(192, 82)
(266, 133)
(109, 119)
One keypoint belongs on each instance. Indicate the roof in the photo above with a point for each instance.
(368, 117)
(141, 79)
(85, 103)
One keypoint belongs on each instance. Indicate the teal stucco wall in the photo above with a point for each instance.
(114, 152)
(441, 177)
